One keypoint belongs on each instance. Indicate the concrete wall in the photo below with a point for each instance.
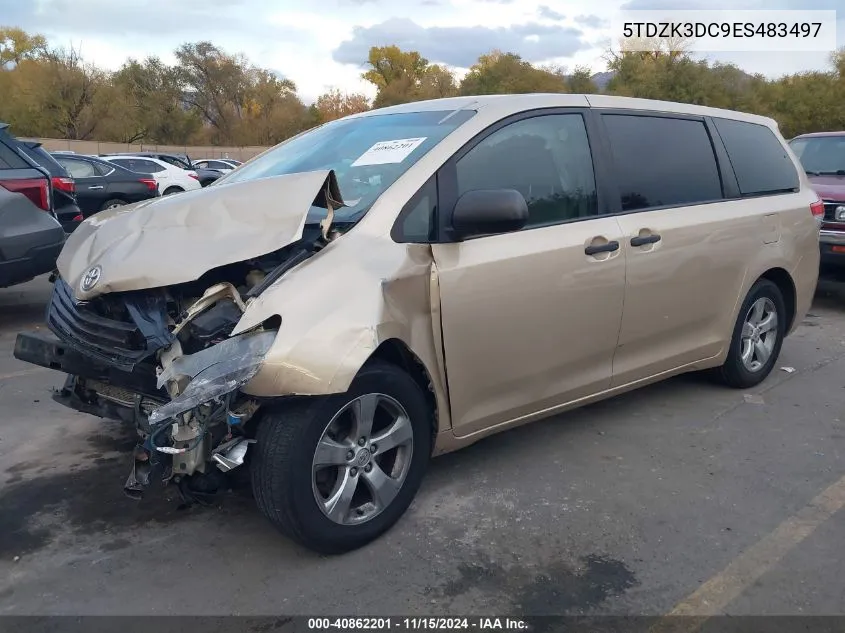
(97, 147)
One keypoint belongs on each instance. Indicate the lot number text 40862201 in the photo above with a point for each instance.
(417, 624)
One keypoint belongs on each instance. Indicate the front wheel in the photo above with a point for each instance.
(334, 473)
(757, 337)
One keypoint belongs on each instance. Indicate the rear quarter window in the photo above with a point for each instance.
(758, 158)
(9, 159)
(104, 169)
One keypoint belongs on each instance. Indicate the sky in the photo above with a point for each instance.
(323, 44)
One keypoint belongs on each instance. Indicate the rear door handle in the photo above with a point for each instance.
(96, 187)
(642, 240)
(602, 248)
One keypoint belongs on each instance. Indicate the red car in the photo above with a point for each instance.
(823, 156)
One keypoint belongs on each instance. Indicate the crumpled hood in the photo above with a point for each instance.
(175, 239)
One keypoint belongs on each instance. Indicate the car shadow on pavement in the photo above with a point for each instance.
(830, 292)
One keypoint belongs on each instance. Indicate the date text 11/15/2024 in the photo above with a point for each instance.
(417, 624)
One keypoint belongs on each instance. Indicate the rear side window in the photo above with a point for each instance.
(759, 161)
(172, 160)
(139, 165)
(662, 161)
(122, 162)
(9, 159)
(78, 168)
(149, 167)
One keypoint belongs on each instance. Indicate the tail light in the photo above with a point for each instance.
(78, 218)
(817, 209)
(36, 189)
(151, 184)
(193, 175)
(64, 184)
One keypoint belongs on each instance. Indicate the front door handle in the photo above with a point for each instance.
(593, 249)
(642, 240)
(96, 187)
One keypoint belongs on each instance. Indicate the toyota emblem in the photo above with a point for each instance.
(90, 279)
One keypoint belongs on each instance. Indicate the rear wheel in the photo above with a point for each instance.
(335, 472)
(757, 337)
(171, 190)
(113, 204)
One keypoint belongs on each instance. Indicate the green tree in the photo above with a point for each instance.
(69, 93)
(335, 105)
(214, 84)
(396, 74)
(150, 104)
(508, 73)
(270, 111)
(17, 45)
(581, 81)
(437, 82)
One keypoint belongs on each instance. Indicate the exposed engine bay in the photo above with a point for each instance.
(164, 359)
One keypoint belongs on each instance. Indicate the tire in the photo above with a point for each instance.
(113, 203)
(735, 372)
(171, 190)
(286, 483)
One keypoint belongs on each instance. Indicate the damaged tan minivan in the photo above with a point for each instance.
(403, 282)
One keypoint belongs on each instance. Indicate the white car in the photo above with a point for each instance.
(223, 165)
(170, 179)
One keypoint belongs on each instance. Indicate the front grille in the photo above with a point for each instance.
(118, 341)
(829, 208)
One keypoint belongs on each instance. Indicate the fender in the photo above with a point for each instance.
(337, 308)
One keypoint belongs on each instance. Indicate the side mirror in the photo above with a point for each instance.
(489, 212)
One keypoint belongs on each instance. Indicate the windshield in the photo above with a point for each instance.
(367, 154)
(823, 155)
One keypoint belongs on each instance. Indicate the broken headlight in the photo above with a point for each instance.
(213, 372)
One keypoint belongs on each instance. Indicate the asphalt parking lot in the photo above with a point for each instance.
(683, 496)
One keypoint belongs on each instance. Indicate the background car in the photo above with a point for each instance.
(30, 235)
(170, 179)
(64, 188)
(823, 157)
(102, 185)
(182, 161)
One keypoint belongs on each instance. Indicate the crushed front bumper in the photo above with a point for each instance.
(93, 387)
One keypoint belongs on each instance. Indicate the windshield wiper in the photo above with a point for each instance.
(811, 173)
(838, 172)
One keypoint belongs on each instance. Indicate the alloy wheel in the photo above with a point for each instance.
(362, 459)
(759, 334)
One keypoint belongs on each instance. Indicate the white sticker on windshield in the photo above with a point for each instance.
(386, 152)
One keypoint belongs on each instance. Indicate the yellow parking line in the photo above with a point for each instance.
(25, 372)
(716, 594)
